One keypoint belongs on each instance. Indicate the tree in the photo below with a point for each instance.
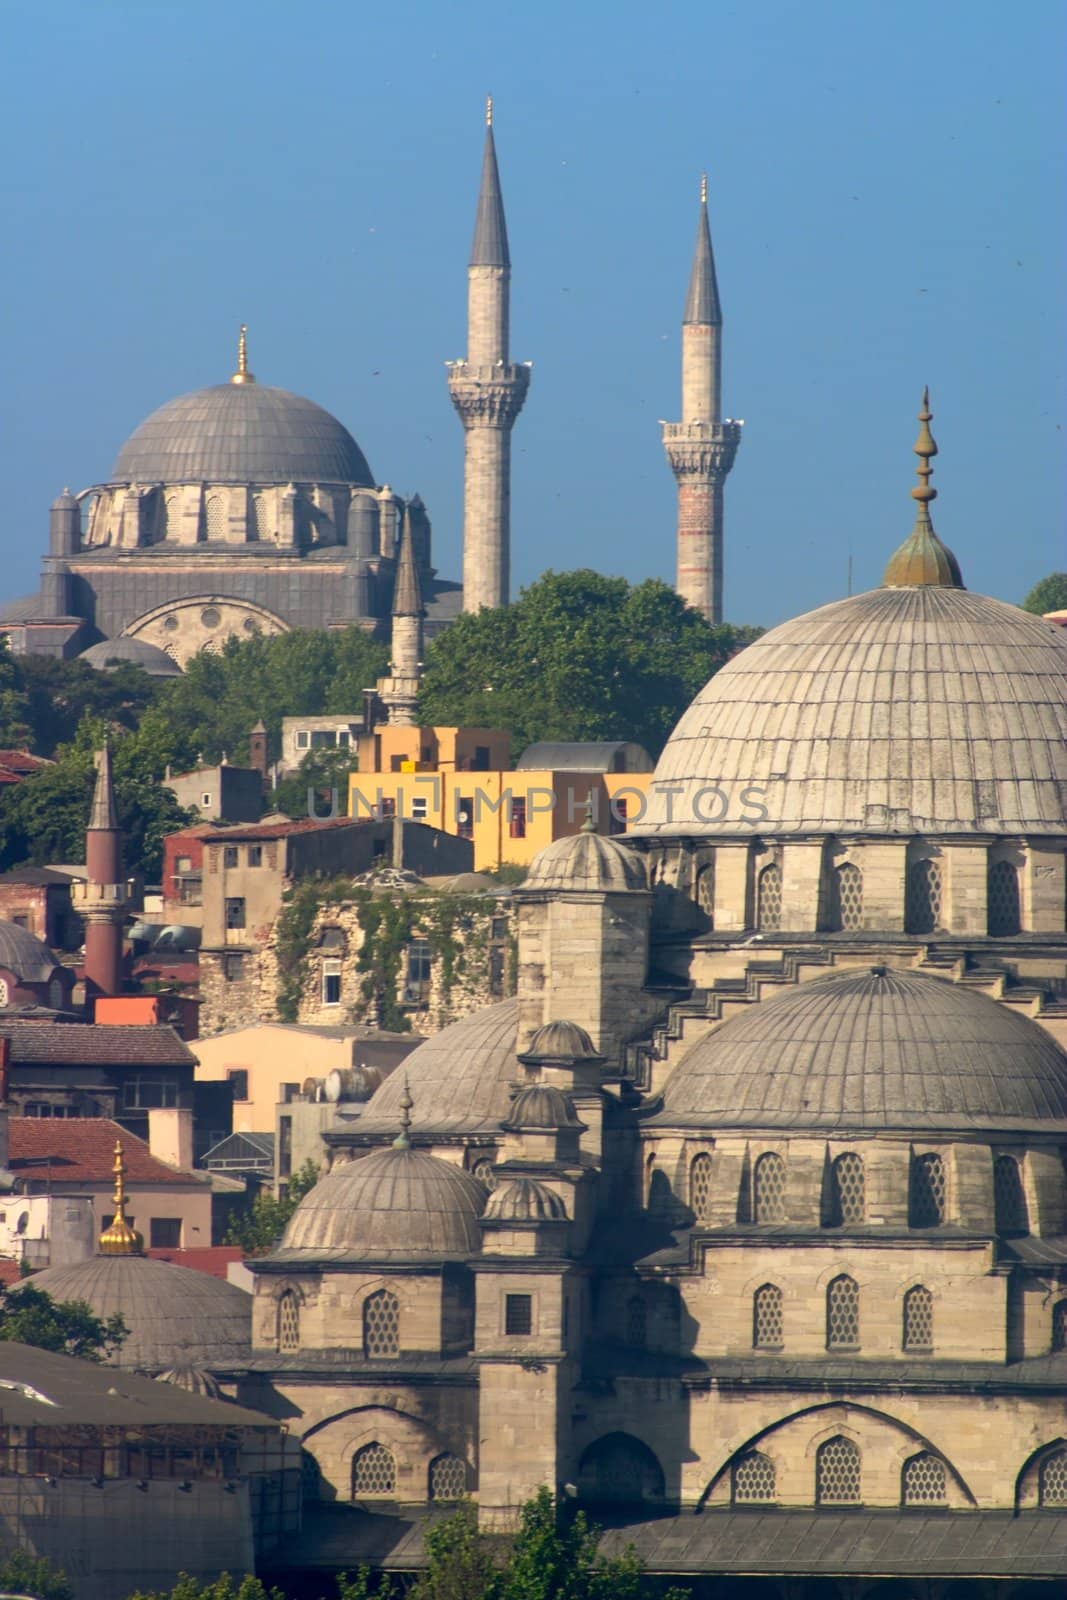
(31, 1575)
(259, 1228)
(321, 771)
(555, 1557)
(578, 656)
(1050, 594)
(461, 1564)
(60, 694)
(69, 1327)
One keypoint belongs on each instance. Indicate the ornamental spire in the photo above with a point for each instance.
(242, 375)
(118, 1238)
(702, 301)
(407, 595)
(403, 1140)
(490, 245)
(922, 561)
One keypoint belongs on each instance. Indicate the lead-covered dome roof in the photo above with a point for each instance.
(586, 860)
(23, 954)
(879, 1049)
(396, 1205)
(241, 433)
(461, 1080)
(902, 710)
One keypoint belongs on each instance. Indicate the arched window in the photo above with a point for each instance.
(485, 1173)
(216, 516)
(373, 1473)
(1002, 899)
(1052, 1480)
(636, 1323)
(381, 1324)
(1008, 1197)
(700, 1186)
(172, 515)
(769, 898)
(923, 1481)
(448, 1478)
(620, 1468)
(922, 897)
(846, 1201)
(1059, 1325)
(844, 910)
(660, 1195)
(843, 1314)
(288, 1321)
(768, 1188)
(754, 1480)
(837, 1473)
(706, 890)
(767, 1317)
(918, 1330)
(926, 1192)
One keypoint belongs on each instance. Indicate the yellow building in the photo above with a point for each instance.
(459, 780)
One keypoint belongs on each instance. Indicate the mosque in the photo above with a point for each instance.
(744, 1224)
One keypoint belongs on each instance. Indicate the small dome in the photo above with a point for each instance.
(241, 433)
(541, 1107)
(176, 1317)
(525, 1200)
(395, 1205)
(21, 953)
(461, 1079)
(561, 1041)
(110, 653)
(64, 502)
(882, 1048)
(192, 1379)
(586, 860)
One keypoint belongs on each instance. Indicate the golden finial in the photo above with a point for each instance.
(703, 188)
(922, 560)
(925, 449)
(489, 111)
(242, 375)
(118, 1238)
(402, 1140)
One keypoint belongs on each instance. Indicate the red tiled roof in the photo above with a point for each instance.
(213, 1260)
(18, 764)
(95, 1044)
(82, 1150)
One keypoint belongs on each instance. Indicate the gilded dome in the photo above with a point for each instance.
(461, 1079)
(586, 860)
(241, 433)
(898, 711)
(525, 1200)
(395, 1205)
(880, 1048)
(176, 1317)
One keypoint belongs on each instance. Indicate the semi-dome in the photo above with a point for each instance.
(525, 1200)
(23, 954)
(877, 1049)
(461, 1079)
(899, 711)
(542, 1106)
(175, 1317)
(241, 433)
(110, 653)
(395, 1205)
(586, 860)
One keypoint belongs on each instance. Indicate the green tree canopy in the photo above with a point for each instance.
(577, 656)
(68, 1327)
(21, 1573)
(258, 1228)
(1050, 594)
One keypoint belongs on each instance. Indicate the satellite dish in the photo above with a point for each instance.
(334, 1086)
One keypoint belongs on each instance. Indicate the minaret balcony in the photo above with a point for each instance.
(728, 432)
(88, 898)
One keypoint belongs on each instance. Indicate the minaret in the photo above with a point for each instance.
(101, 900)
(399, 692)
(701, 448)
(488, 393)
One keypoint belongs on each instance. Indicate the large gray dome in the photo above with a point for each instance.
(461, 1080)
(897, 711)
(241, 433)
(22, 953)
(176, 1317)
(878, 1049)
(110, 653)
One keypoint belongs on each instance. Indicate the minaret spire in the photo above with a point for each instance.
(399, 693)
(701, 448)
(242, 375)
(922, 560)
(488, 393)
(102, 898)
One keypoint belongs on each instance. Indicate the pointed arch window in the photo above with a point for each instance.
(837, 1473)
(769, 898)
(923, 1481)
(767, 1322)
(923, 897)
(918, 1330)
(216, 516)
(1003, 914)
(288, 1321)
(1009, 1197)
(706, 890)
(700, 1186)
(768, 1188)
(846, 1202)
(754, 1480)
(926, 1192)
(1052, 1480)
(636, 1323)
(373, 1473)
(448, 1478)
(843, 1314)
(844, 911)
(381, 1325)
(1059, 1325)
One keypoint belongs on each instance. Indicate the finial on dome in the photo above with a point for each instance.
(589, 825)
(118, 1238)
(922, 561)
(402, 1140)
(703, 188)
(489, 111)
(242, 375)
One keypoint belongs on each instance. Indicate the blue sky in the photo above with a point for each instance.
(886, 200)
